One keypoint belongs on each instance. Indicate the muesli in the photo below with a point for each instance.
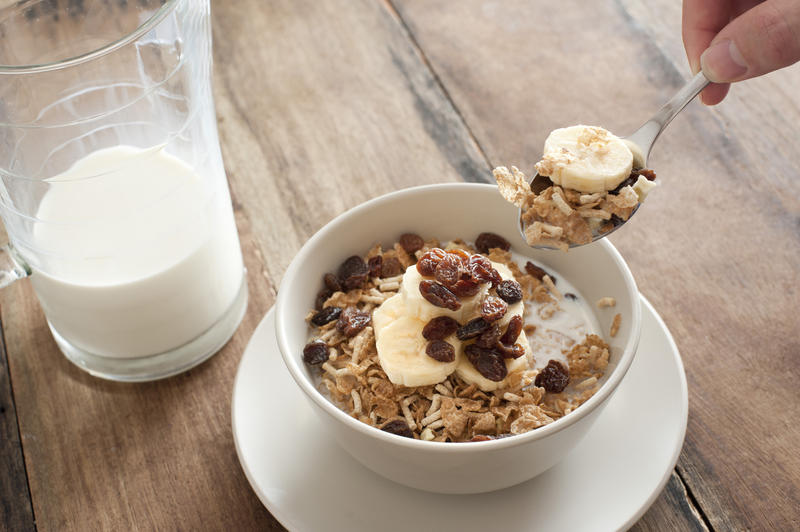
(589, 182)
(450, 342)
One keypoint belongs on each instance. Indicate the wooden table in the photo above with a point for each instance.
(325, 104)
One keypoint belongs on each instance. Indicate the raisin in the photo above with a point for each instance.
(487, 241)
(353, 272)
(441, 351)
(480, 260)
(315, 353)
(352, 321)
(332, 282)
(554, 377)
(509, 291)
(489, 338)
(487, 362)
(493, 308)
(426, 266)
(411, 242)
(448, 271)
(460, 253)
(375, 266)
(512, 331)
(391, 267)
(630, 180)
(326, 315)
(322, 297)
(482, 271)
(399, 427)
(648, 174)
(439, 328)
(438, 295)
(537, 272)
(510, 351)
(571, 296)
(540, 183)
(465, 288)
(472, 328)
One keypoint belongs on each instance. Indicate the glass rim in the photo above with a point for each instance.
(143, 28)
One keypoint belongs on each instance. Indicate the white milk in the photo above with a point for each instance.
(567, 327)
(139, 259)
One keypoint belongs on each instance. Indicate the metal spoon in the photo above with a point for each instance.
(640, 141)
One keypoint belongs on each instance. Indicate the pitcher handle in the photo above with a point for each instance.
(12, 266)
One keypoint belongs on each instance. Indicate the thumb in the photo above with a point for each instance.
(762, 39)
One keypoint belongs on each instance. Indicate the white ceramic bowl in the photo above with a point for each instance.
(446, 212)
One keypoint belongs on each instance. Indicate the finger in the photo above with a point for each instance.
(702, 20)
(740, 6)
(714, 93)
(761, 40)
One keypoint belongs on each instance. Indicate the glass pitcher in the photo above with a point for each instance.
(112, 187)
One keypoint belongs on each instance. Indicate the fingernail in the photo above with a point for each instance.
(723, 62)
(694, 65)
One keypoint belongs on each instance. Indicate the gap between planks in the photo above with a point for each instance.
(693, 503)
(390, 8)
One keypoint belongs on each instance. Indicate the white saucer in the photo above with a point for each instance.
(607, 482)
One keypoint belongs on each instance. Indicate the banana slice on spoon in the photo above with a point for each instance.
(585, 158)
(572, 163)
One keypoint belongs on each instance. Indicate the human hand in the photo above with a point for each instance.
(734, 40)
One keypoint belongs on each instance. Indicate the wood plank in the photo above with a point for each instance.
(339, 108)
(16, 511)
(715, 249)
(321, 106)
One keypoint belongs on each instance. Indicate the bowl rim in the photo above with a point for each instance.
(327, 406)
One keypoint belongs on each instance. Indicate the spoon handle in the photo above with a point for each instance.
(646, 135)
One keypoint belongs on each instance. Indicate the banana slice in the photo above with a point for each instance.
(422, 309)
(503, 270)
(643, 186)
(585, 158)
(401, 352)
(467, 371)
(636, 151)
(387, 312)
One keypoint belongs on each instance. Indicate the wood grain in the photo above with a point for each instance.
(15, 501)
(323, 105)
(716, 249)
(309, 128)
(339, 108)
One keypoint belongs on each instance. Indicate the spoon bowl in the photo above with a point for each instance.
(538, 184)
(640, 143)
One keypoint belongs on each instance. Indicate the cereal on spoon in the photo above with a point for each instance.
(595, 184)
